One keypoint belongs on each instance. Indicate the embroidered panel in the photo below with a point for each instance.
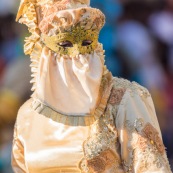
(133, 87)
(105, 160)
(100, 148)
(145, 146)
(116, 96)
(102, 137)
(152, 134)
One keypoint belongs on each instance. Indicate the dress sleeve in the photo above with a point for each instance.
(17, 157)
(142, 148)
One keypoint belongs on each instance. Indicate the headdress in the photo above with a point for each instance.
(47, 19)
(55, 67)
(52, 17)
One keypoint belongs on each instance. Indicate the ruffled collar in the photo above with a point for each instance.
(78, 120)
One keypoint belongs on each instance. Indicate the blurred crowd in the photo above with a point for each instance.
(138, 39)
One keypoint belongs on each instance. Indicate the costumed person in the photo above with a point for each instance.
(80, 118)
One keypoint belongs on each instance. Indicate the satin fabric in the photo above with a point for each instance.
(45, 146)
(42, 145)
(49, 146)
(69, 84)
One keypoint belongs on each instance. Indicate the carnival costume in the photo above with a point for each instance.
(80, 118)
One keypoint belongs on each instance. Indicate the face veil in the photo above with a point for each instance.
(67, 60)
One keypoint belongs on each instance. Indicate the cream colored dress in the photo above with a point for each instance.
(122, 136)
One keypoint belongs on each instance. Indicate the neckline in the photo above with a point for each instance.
(82, 119)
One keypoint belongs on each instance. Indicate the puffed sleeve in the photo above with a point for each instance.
(17, 157)
(142, 148)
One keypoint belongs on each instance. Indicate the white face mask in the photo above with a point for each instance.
(69, 85)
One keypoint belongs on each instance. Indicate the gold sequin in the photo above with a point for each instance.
(76, 37)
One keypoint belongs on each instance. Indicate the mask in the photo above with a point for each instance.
(72, 43)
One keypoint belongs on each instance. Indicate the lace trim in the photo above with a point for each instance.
(99, 164)
(133, 87)
(146, 147)
(144, 140)
(75, 120)
(102, 139)
(100, 148)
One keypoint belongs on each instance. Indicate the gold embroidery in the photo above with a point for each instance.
(116, 96)
(121, 86)
(101, 143)
(150, 159)
(133, 87)
(101, 138)
(152, 134)
(87, 18)
(136, 126)
(150, 131)
(142, 143)
(132, 129)
(106, 160)
(96, 165)
(103, 133)
(159, 144)
(146, 147)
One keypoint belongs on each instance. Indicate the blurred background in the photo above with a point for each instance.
(138, 39)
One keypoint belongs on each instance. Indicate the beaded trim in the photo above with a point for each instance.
(78, 120)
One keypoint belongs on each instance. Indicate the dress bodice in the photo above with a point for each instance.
(50, 146)
(125, 137)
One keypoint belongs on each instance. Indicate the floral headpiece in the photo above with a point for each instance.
(51, 17)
